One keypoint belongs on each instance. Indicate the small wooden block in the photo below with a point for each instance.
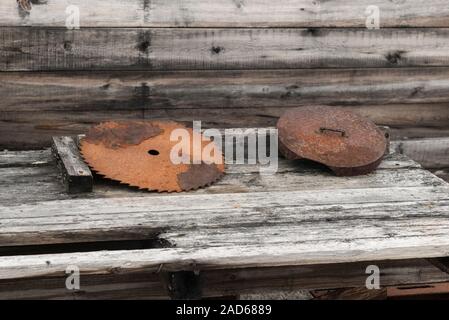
(76, 175)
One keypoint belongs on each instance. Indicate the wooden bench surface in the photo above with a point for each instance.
(301, 216)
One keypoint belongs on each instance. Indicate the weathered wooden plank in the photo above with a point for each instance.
(219, 13)
(236, 218)
(76, 175)
(134, 285)
(23, 49)
(414, 132)
(31, 185)
(130, 283)
(27, 130)
(410, 226)
(22, 182)
(152, 91)
(36, 106)
(175, 259)
(443, 174)
(25, 158)
(36, 134)
(430, 153)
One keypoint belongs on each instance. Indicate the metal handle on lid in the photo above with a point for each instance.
(342, 132)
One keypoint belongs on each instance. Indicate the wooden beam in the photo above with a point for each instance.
(36, 106)
(76, 175)
(24, 182)
(227, 13)
(127, 279)
(39, 48)
(432, 153)
(298, 230)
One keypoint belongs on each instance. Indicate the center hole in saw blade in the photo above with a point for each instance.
(153, 152)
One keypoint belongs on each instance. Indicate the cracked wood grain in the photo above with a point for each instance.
(229, 13)
(46, 49)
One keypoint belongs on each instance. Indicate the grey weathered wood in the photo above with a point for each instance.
(355, 220)
(122, 280)
(104, 285)
(37, 106)
(403, 89)
(22, 182)
(443, 174)
(251, 280)
(228, 13)
(36, 133)
(75, 173)
(272, 233)
(150, 260)
(25, 158)
(431, 153)
(125, 281)
(39, 48)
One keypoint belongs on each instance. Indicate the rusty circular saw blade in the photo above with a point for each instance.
(347, 143)
(137, 153)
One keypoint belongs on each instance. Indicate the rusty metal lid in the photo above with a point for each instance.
(347, 143)
(137, 153)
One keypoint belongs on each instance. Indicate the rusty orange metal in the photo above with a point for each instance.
(137, 153)
(347, 143)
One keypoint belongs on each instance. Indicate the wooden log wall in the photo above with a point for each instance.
(226, 62)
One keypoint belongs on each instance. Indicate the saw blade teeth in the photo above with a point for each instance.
(110, 144)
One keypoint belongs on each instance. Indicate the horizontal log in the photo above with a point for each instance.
(145, 91)
(35, 133)
(228, 13)
(149, 260)
(36, 106)
(132, 285)
(43, 48)
(432, 153)
(112, 280)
